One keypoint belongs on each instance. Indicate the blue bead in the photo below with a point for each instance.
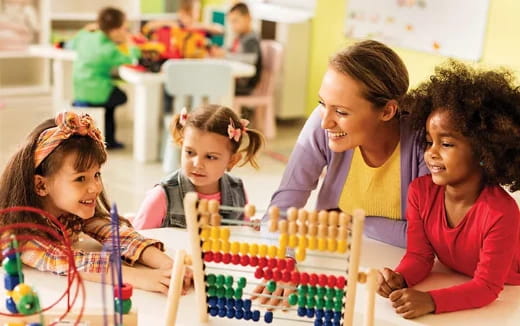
(302, 312)
(319, 313)
(212, 301)
(239, 314)
(10, 281)
(222, 312)
(213, 311)
(318, 322)
(239, 303)
(328, 323)
(231, 313)
(268, 317)
(221, 302)
(329, 315)
(256, 315)
(11, 305)
(337, 316)
(336, 323)
(248, 315)
(34, 324)
(9, 253)
(231, 303)
(310, 312)
(247, 305)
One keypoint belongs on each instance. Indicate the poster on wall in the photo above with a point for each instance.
(446, 27)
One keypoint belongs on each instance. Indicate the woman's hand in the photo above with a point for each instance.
(410, 303)
(389, 281)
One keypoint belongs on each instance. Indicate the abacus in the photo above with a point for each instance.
(224, 268)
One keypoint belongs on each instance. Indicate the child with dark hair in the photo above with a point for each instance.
(213, 142)
(98, 58)
(460, 214)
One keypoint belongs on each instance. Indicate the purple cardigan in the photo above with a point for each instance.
(311, 154)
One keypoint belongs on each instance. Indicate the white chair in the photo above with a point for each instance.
(199, 82)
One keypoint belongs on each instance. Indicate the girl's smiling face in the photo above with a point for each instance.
(448, 154)
(70, 191)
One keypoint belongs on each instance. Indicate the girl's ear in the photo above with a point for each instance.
(235, 158)
(390, 110)
(40, 185)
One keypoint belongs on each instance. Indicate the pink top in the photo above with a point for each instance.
(485, 245)
(153, 209)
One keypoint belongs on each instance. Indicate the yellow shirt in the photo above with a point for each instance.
(376, 190)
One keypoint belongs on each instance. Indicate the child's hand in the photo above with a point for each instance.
(410, 303)
(188, 281)
(389, 281)
(281, 292)
(217, 52)
(155, 280)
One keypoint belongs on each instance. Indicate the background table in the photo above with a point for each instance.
(151, 306)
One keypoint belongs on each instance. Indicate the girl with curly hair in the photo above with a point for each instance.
(460, 214)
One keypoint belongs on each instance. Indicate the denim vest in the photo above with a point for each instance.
(177, 185)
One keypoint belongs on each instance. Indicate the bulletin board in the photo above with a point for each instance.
(446, 27)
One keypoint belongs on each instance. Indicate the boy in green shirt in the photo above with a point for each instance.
(98, 58)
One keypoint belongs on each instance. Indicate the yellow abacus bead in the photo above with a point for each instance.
(274, 212)
(322, 244)
(204, 234)
(215, 232)
(8, 293)
(292, 214)
(225, 234)
(282, 226)
(249, 210)
(333, 231)
(302, 215)
(206, 246)
(262, 250)
(216, 245)
(253, 249)
(313, 243)
(281, 252)
(244, 248)
(204, 221)
(213, 206)
(225, 246)
(312, 217)
(293, 241)
(342, 246)
(331, 245)
(273, 225)
(300, 254)
(272, 251)
(302, 241)
(15, 324)
(333, 218)
(215, 219)
(202, 206)
(21, 290)
(235, 247)
(283, 240)
(343, 232)
(323, 217)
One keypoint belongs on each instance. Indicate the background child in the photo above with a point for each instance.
(97, 63)
(58, 170)
(460, 213)
(211, 138)
(245, 47)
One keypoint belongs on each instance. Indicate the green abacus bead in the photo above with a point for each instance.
(329, 304)
(311, 302)
(331, 293)
(229, 280)
(302, 290)
(320, 303)
(293, 299)
(321, 291)
(127, 305)
(212, 290)
(339, 294)
(271, 286)
(220, 280)
(238, 293)
(242, 282)
(338, 305)
(221, 291)
(10, 266)
(230, 293)
(302, 301)
(210, 279)
(312, 291)
(28, 304)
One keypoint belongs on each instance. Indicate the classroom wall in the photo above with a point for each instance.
(501, 45)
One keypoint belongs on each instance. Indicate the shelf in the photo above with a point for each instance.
(280, 14)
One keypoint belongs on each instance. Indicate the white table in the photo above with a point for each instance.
(151, 307)
(147, 110)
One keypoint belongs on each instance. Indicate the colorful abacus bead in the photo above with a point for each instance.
(28, 304)
(11, 281)
(10, 265)
(123, 302)
(11, 305)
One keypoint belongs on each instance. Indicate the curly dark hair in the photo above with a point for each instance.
(485, 106)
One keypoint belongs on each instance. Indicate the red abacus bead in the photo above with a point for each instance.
(304, 278)
(217, 257)
(272, 263)
(295, 277)
(289, 264)
(268, 274)
(226, 258)
(281, 264)
(322, 279)
(253, 261)
(286, 276)
(235, 259)
(262, 262)
(259, 273)
(313, 279)
(331, 282)
(244, 260)
(340, 283)
(277, 275)
(208, 256)
(126, 291)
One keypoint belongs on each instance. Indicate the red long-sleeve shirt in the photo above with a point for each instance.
(485, 245)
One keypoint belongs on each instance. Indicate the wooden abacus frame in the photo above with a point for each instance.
(193, 207)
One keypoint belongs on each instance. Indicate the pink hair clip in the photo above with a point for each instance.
(235, 133)
(183, 117)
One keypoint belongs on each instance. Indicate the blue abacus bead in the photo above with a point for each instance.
(239, 303)
(310, 312)
(231, 313)
(9, 253)
(318, 322)
(239, 314)
(268, 317)
(222, 312)
(302, 312)
(213, 311)
(230, 303)
(221, 302)
(337, 316)
(247, 305)
(320, 313)
(336, 323)
(327, 323)
(248, 315)
(212, 301)
(329, 315)
(256, 315)
(11, 305)
(10, 281)
(34, 324)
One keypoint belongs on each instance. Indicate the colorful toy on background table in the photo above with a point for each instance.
(225, 265)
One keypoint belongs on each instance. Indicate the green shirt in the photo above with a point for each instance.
(97, 57)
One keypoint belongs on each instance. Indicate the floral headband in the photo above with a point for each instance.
(67, 124)
(236, 132)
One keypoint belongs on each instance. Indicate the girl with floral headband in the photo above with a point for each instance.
(58, 170)
(213, 140)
